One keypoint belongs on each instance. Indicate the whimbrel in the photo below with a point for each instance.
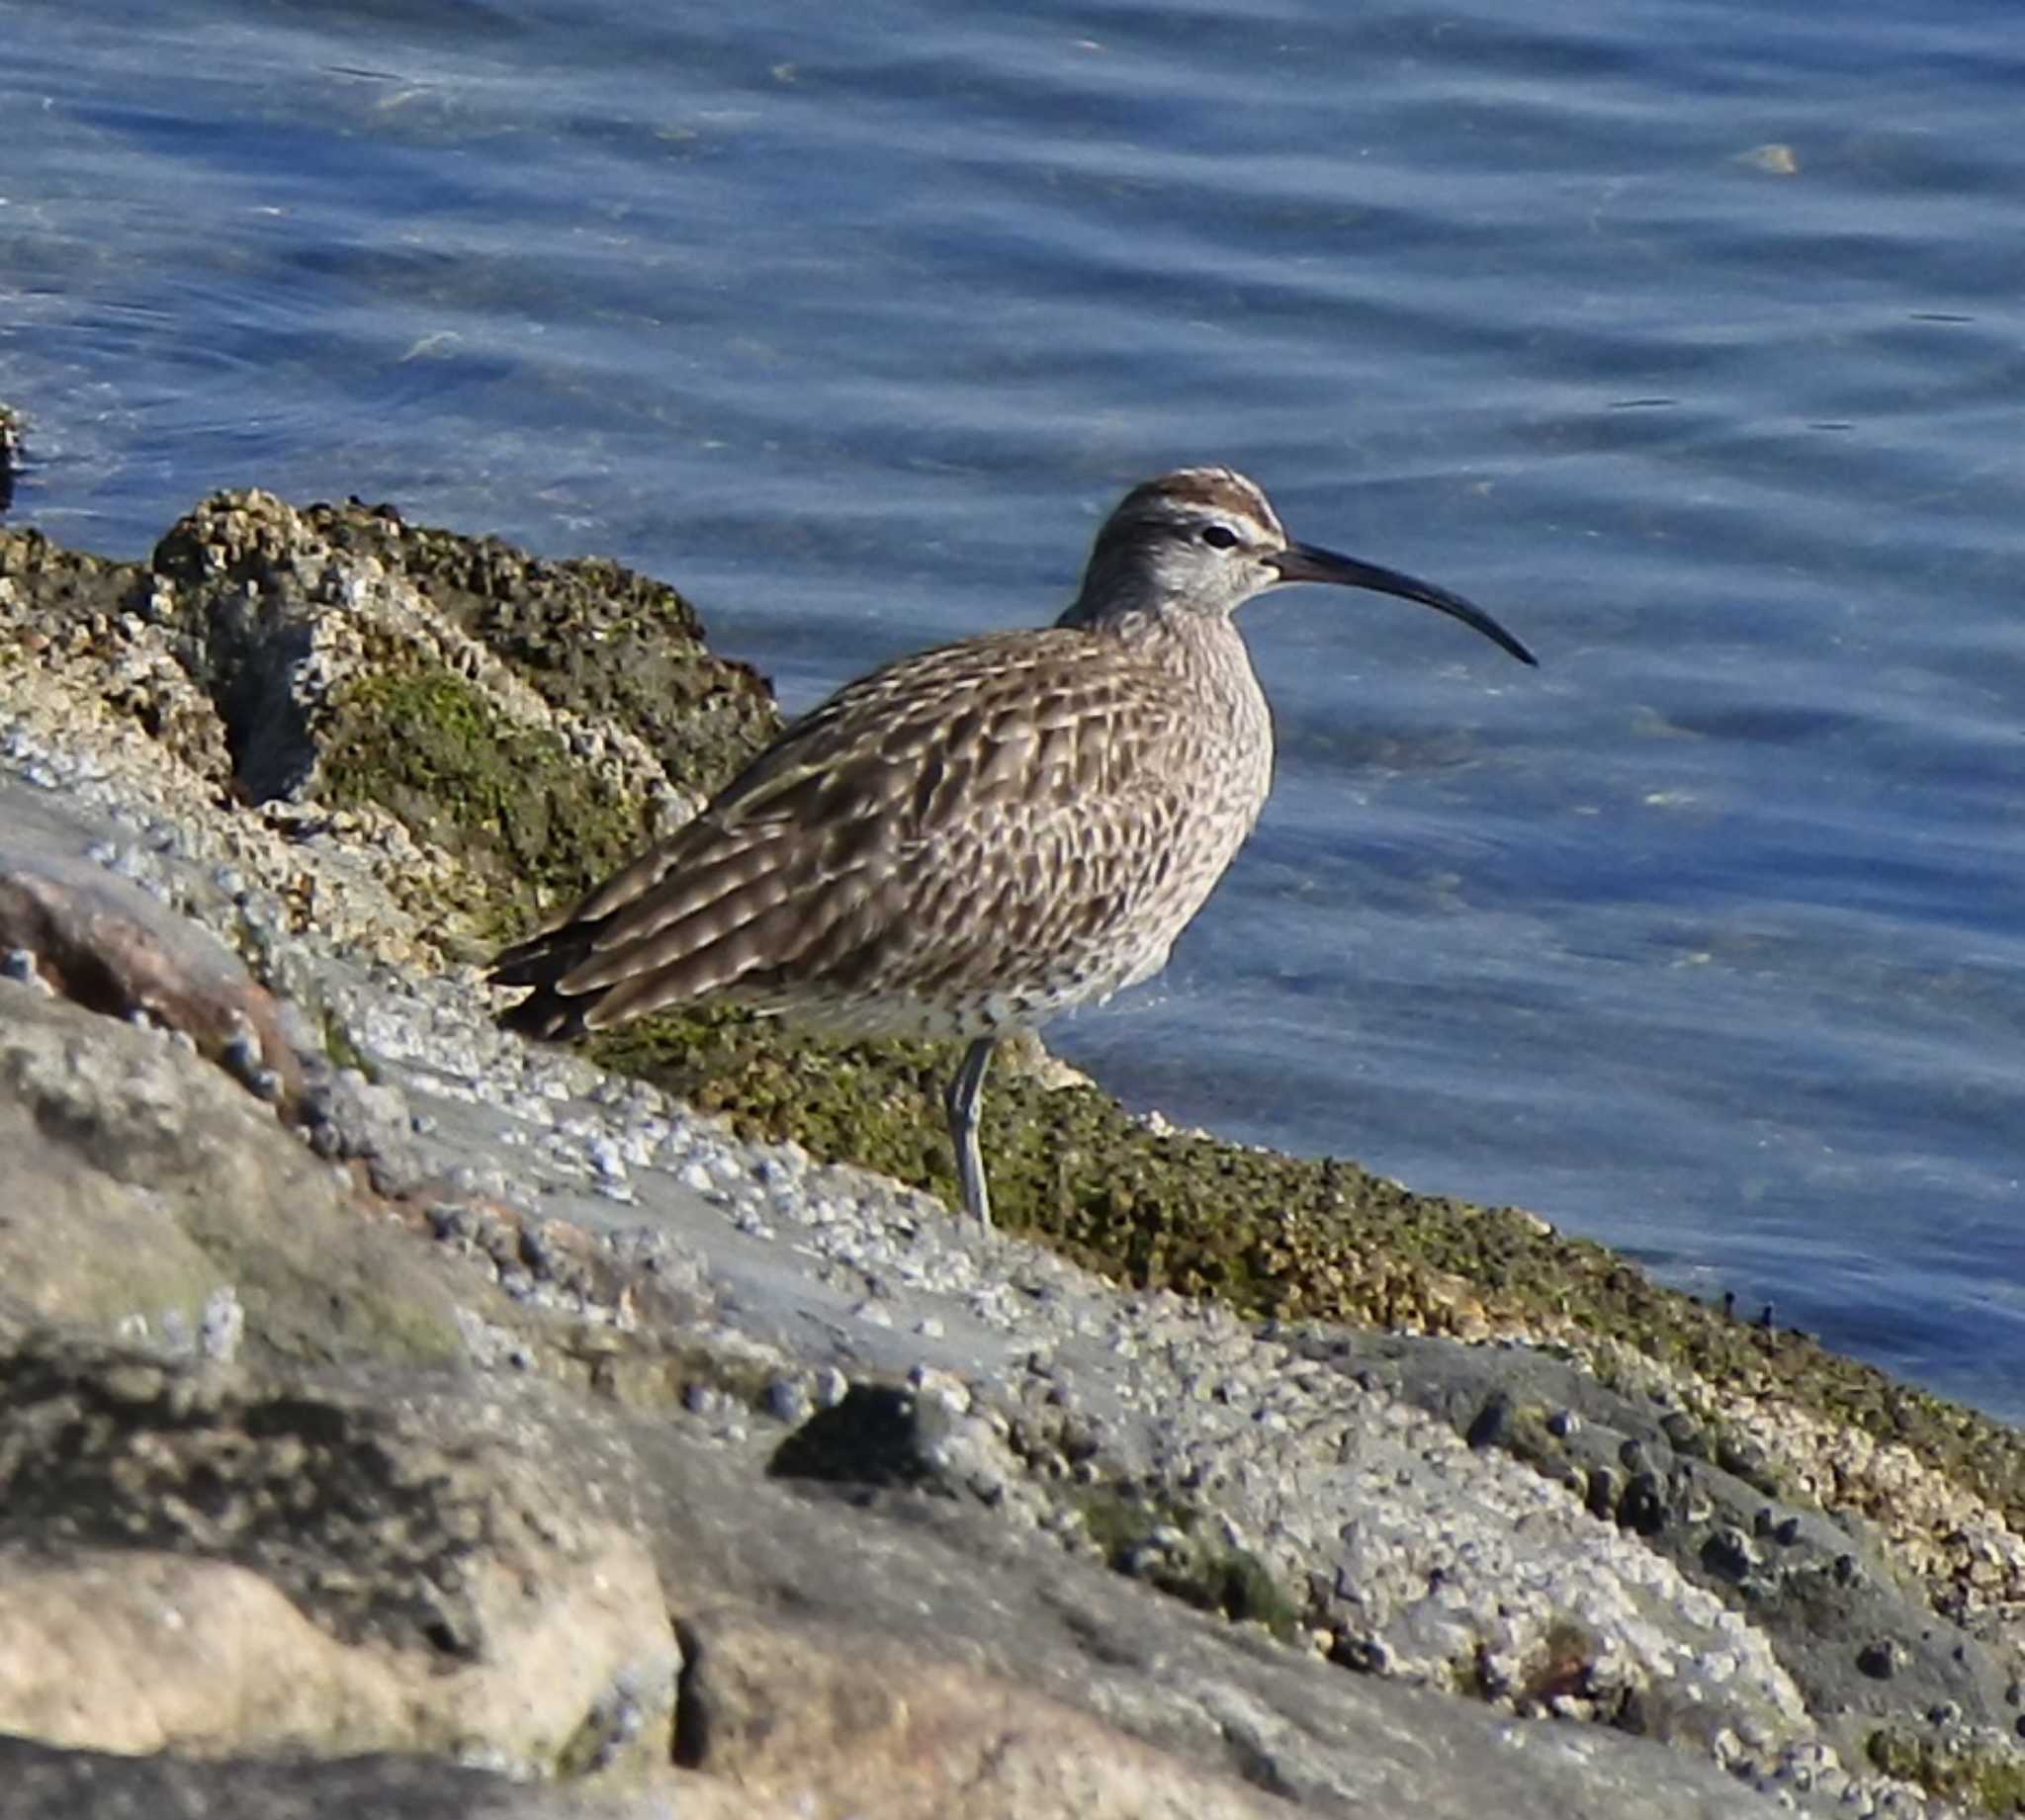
(967, 841)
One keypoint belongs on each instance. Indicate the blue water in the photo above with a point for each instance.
(1688, 337)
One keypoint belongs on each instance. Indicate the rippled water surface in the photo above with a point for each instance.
(1689, 337)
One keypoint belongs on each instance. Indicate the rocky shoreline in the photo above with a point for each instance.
(396, 1415)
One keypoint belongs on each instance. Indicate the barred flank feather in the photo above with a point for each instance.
(936, 846)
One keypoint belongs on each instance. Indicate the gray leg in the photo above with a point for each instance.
(960, 1101)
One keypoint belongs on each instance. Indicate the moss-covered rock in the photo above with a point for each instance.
(593, 638)
(1274, 1236)
(1989, 1781)
(533, 721)
(505, 799)
(1166, 1543)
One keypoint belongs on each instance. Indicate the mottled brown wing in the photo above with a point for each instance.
(971, 819)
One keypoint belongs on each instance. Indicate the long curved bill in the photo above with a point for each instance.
(1307, 562)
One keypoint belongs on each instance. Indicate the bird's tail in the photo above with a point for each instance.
(544, 958)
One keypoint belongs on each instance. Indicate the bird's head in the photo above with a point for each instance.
(1205, 540)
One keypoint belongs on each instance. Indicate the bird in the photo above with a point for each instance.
(967, 841)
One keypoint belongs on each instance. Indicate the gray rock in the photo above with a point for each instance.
(45, 1784)
(142, 1182)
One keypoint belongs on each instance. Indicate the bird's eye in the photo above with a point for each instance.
(1219, 536)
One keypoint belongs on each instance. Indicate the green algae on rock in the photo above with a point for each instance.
(330, 636)
(67, 608)
(591, 637)
(1282, 1236)
(1980, 1780)
(1162, 1542)
(507, 799)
